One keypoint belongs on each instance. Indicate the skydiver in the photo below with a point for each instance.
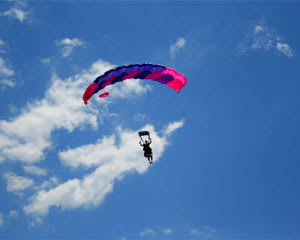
(147, 150)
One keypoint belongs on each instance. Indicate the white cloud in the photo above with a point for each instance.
(13, 213)
(5, 73)
(167, 230)
(174, 48)
(173, 126)
(258, 29)
(111, 159)
(4, 70)
(28, 135)
(35, 170)
(16, 183)
(87, 156)
(7, 82)
(285, 49)
(147, 232)
(68, 45)
(75, 42)
(19, 10)
(106, 149)
(6, 141)
(204, 232)
(128, 88)
(263, 38)
(17, 13)
(46, 61)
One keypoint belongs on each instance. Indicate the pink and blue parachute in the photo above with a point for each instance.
(158, 73)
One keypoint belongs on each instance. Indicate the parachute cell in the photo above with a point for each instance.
(159, 73)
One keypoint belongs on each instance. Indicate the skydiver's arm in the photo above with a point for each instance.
(141, 144)
(150, 140)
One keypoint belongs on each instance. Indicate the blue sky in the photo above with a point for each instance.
(225, 148)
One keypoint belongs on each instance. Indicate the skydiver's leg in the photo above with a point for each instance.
(149, 158)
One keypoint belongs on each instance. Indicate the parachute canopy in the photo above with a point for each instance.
(105, 94)
(158, 73)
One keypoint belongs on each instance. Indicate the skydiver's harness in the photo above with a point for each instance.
(146, 147)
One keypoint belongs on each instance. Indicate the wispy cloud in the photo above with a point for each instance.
(35, 170)
(4, 69)
(2, 44)
(167, 230)
(12, 214)
(46, 61)
(68, 45)
(174, 48)
(16, 183)
(19, 10)
(139, 117)
(6, 73)
(263, 38)
(285, 49)
(7, 83)
(19, 14)
(12, 108)
(28, 135)
(204, 232)
(195, 231)
(173, 126)
(4, 218)
(147, 232)
(258, 29)
(111, 159)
